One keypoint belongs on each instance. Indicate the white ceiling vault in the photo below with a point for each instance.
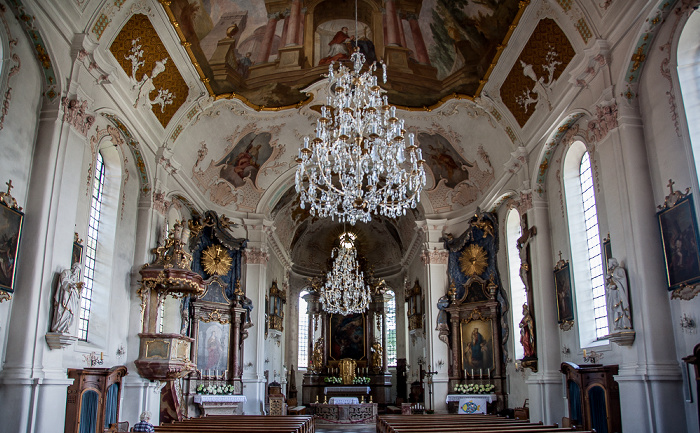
(230, 155)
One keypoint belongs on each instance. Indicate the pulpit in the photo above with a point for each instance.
(594, 396)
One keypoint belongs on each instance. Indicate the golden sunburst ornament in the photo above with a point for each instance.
(473, 260)
(216, 260)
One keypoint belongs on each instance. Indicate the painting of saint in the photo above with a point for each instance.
(443, 160)
(680, 239)
(10, 229)
(212, 347)
(565, 303)
(245, 159)
(339, 47)
(347, 336)
(477, 346)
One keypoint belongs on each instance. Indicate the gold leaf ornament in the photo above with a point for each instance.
(473, 260)
(216, 260)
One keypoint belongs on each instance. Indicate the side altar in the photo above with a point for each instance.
(348, 357)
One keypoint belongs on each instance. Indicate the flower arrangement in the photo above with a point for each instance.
(360, 380)
(473, 388)
(214, 389)
(333, 379)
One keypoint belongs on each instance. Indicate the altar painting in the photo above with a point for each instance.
(477, 346)
(213, 347)
(347, 336)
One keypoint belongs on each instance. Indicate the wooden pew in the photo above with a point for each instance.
(240, 423)
(461, 423)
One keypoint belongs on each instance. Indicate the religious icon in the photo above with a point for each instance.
(477, 345)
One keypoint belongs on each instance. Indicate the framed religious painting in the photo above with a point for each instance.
(477, 346)
(565, 299)
(213, 342)
(607, 252)
(11, 219)
(347, 337)
(679, 235)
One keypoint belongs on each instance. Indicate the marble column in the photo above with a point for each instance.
(402, 35)
(544, 386)
(418, 41)
(435, 259)
(650, 382)
(268, 38)
(294, 23)
(392, 24)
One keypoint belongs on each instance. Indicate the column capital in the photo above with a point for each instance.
(435, 257)
(255, 256)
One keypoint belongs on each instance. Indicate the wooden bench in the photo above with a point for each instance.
(461, 423)
(239, 423)
(296, 410)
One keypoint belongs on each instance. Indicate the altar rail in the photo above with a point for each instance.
(460, 423)
(242, 423)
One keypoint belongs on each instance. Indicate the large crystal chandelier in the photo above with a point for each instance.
(345, 291)
(360, 161)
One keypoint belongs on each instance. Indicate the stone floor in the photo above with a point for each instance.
(344, 428)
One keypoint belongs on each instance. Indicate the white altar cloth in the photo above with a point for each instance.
(343, 400)
(471, 403)
(205, 398)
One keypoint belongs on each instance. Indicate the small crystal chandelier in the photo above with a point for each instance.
(345, 291)
(359, 163)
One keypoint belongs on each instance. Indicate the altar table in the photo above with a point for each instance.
(220, 404)
(469, 403)
(343, 400)
(363, 413)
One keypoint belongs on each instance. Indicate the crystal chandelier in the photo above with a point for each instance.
(345, 291)
(359, 163)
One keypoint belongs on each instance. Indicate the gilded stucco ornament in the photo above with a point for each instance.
(216, 260)
(473, 260)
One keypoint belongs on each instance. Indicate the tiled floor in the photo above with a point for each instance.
(339, 428)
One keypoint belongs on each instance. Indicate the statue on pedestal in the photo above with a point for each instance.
(527, 333)
(618, 300)
(67, 300)
(377, 358)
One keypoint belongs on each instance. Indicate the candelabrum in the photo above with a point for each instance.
(566, 351)
(593, 357)
(688, 324)
(429, 379)
(94, 359)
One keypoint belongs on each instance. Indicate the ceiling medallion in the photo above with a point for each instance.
(473, 260)
(345, 291)
(216, 260)
(359, 163)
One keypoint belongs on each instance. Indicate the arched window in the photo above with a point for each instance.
(688, 58)
(518, 294)
(390, 310)
(303, 358)
(586, 257)
(98, 184)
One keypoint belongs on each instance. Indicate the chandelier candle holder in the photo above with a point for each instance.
(345, 291)
(361, 161)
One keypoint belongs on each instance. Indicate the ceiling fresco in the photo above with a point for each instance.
(266, 51)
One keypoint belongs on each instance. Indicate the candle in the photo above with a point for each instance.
(481, 372)
(101, 356)
(472, 372)
(584, 353)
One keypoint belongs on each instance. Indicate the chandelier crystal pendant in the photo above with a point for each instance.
(361, 161)
(345, 291)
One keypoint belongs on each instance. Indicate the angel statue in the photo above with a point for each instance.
(377, 357)
(618, 301)
(67, 299)
(317, 356)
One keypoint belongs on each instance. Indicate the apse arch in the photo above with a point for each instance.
(688, 69)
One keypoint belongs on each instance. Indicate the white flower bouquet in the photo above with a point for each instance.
(214, 389)
(473, 388)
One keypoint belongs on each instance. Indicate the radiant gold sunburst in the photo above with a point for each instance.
(216, 260)
(473, 260)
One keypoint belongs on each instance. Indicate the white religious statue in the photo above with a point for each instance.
(618, 300)
(67, 301)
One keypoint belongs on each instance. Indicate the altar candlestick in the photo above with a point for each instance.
(481, 372)
(472, 372)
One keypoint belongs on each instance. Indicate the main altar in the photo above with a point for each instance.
(348, 357)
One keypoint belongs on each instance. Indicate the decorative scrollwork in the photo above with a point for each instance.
(216, 316)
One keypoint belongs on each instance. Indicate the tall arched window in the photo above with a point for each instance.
(688, 59)
(98, 184)
(303, 358)
(586, 257)
(518, 294)
(390, 310)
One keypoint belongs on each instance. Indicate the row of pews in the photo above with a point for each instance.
(242, 423)
(461, 423)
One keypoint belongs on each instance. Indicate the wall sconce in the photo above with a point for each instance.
(566, 351)
(688, 324)
(593, 357)
(121, 351)
(519, 367)
(440, 363)
(93, 359)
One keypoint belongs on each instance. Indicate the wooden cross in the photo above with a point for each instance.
(560, 255)
(9, 186)
(670, 185)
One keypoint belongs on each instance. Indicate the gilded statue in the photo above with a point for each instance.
(346, 367)
(527, 333)
(377, 359)
(317, 356)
